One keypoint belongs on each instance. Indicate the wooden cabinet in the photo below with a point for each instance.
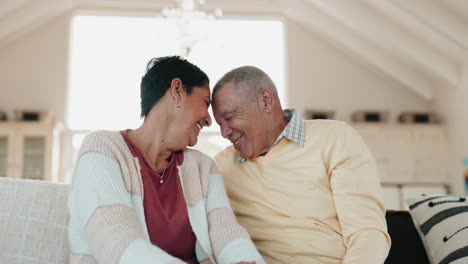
(412, 159)
(430, 158)
(29, 150)
(6, 157)
(408, 153)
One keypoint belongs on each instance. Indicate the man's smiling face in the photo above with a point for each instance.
(241, 120)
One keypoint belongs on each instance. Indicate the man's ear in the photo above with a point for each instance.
(266, 99)
(176, 90)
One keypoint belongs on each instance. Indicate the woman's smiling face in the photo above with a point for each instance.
(195, 113)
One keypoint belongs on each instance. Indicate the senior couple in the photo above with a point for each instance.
(302, 192)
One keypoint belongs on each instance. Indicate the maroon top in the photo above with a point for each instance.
(165, 207)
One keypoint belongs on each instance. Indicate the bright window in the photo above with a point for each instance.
(109, 56)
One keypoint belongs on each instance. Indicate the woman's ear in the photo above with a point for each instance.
(265, 99)
(176, 90)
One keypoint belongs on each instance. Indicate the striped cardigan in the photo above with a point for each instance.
(107, 222)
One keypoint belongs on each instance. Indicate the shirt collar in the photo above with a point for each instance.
(293, 131)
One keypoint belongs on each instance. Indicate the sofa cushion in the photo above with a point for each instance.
(442, 223)
(407, 247)
(33, 222)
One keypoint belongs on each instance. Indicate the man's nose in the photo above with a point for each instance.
(225, 131)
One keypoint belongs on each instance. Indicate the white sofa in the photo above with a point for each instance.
(33, 222)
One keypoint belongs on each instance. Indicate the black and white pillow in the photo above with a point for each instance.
(442, 223)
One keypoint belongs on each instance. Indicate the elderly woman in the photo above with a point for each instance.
(140, 196)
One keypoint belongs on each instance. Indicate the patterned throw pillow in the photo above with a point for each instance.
(442, 223)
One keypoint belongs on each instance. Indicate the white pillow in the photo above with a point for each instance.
(442, 223)
(33, 222)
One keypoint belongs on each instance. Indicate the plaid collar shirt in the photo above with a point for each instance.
(294, 131)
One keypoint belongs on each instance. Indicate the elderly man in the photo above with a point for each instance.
(306, 191)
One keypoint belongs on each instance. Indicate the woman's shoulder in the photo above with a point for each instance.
(101, 135)
(196, 155)
(102, 138)
(196, 159)
(104, 141)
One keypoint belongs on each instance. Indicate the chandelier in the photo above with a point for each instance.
(193, 23)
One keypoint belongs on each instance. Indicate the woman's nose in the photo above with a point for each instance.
(207, 120)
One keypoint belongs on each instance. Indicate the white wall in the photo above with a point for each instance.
(452, 104)
(321, 76)
(33, 69)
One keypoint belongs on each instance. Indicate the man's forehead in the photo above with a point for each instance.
(229, 110)
(229, 98)
(240, 92)
(225, 95)
(225, 108)
(226, 89)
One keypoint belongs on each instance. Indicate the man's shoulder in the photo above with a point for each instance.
(328, 131)
(226, 156)
(325, 126)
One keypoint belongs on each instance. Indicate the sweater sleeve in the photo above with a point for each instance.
(358, 199)
(103, 222)
(230, 241)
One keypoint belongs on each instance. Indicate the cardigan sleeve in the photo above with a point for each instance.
(358, 199)
(103, 222)
(230, 241)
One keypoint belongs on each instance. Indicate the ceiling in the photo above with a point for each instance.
(421, 44)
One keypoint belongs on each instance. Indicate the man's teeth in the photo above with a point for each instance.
(199, 126)
(237, 141)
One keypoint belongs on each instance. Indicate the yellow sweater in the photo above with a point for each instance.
(321, 203)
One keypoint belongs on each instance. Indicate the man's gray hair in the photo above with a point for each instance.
(249, 77)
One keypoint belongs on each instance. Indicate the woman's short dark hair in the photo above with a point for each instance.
(158, 77)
